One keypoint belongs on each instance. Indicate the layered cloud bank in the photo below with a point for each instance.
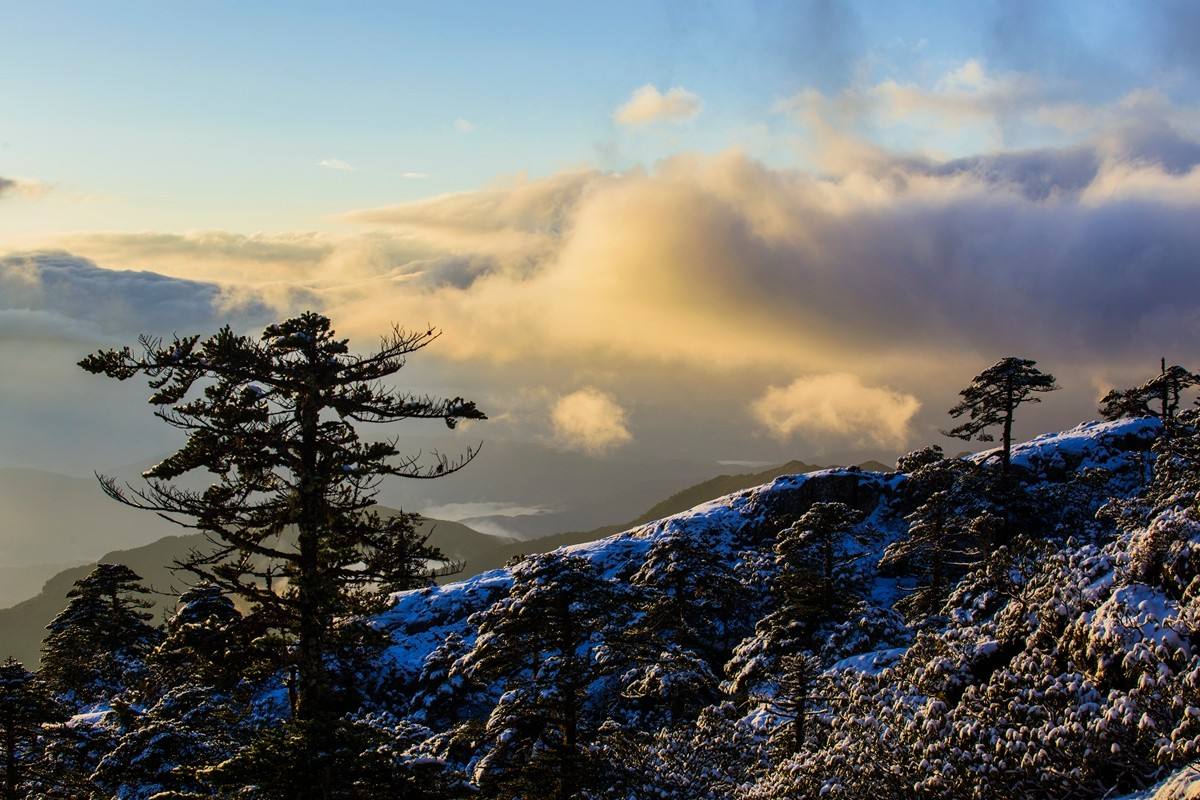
(824, 302)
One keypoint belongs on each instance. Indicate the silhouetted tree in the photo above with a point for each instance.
(98, 644)
(1120, 403)
(993, 397)
(273, 421)
(1159, 396)
(1166, 388)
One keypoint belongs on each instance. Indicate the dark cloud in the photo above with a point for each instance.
(46, 291)
(7, 185)
(1044, 173)
(1038, 174)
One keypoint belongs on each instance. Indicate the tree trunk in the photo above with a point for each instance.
(567, 645)
(801, 713)
(1008, 423)
(312, 706)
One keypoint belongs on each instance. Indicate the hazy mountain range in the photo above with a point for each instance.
(66, 516)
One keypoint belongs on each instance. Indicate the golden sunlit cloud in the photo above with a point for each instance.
(838, 405)
(589, 420)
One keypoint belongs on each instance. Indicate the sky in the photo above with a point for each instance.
(715, 231)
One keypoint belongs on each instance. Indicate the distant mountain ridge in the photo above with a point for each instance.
(675, 504)
(22, 626)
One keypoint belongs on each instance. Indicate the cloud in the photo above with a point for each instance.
(647, 104)
(460, 512)
(44, 291)
(589, 420)
(10, 187)
(969, 110)
(414, 176)
(336, 163)
(721, 262)
(837, 405)
(464, 125)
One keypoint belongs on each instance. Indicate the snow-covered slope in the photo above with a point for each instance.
(420, 620)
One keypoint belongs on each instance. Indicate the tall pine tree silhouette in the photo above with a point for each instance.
(992, 399)
(274, 422)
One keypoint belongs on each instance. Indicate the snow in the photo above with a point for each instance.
(421, 619)
(1183, 785)
(871, 663)
(1102, 611)
(1089, 444)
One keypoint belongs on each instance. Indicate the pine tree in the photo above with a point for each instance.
(1159, 396)
(692, 597)
(690, 606)
(163, 749)
(25, 705)
(813, 587)
(1166, 388)
(98, 644)
(1121, 403)
(273, 421)
(993, 398)
(822, 544)
(541, 643)
(206, 642)
(952, 525)
(799, 698)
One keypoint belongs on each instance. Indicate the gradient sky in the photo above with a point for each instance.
(717, 231)
(215, 115)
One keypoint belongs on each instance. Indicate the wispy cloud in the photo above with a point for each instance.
(647, 104)
(414, 176)
(11, 187)
(338, 164)
(460, 512)
(464, 125)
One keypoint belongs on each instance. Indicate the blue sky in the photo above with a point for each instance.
(216, 115)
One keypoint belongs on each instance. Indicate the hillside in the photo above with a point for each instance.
(945, 630)
(676, 503)
(1070, 672)
(22, 626)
